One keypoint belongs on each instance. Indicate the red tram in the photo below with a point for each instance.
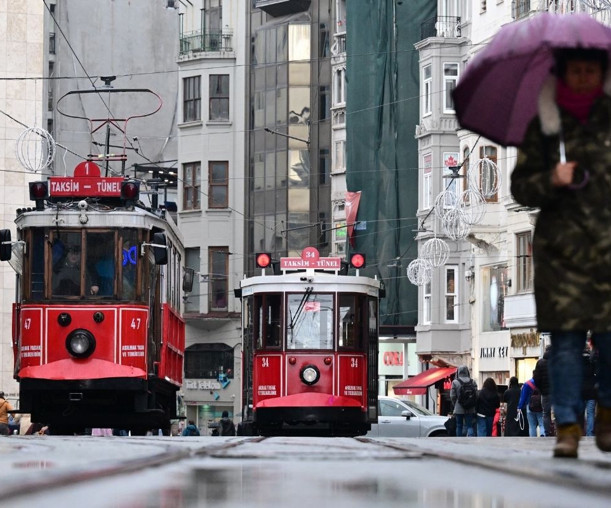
(98, 336)
(310, 347)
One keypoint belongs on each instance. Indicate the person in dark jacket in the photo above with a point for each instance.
(488, 401)
(571, 244)
(226, 425)
(512, 397)
(541, 378)
(463, 416)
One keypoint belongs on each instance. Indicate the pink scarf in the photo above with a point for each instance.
(577, 104)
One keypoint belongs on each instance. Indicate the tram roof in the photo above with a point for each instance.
(299, 281)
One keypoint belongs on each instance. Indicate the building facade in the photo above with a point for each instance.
(211, 118)
(22, 59)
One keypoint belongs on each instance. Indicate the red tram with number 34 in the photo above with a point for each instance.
(310, 347)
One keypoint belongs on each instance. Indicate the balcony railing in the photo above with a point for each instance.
(441, 26)
(520, 8)
(206, 41)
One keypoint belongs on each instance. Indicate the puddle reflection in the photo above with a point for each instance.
(258, 486)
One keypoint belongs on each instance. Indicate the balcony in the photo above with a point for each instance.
(440, 26)
(206, 42)
(277, 8)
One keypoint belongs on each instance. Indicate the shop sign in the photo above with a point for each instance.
(391, 361)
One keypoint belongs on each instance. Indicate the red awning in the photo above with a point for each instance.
(417, 385)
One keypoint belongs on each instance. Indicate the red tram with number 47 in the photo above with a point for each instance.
(310, 347)
(98, 336)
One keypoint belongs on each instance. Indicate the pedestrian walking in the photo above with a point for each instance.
(5, 407)
(530, 401)
(191, 429)
(226, 425)
(511, 398)
(541, 378)
(463, 395)
(488, 401)
(563, 169)
(588, 390)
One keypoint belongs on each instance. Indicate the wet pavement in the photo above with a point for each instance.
(300, 471)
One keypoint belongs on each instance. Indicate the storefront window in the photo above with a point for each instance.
(494, 284)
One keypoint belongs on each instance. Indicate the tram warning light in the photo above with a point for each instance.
(357, 260)
(130, 191)
(39, 191)
(264, 259)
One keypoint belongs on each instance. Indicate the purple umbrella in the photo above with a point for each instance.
(497, 95)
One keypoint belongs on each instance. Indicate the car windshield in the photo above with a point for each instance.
(418, 409)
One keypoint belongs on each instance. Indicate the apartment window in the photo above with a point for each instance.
(191, 185)
(487, 174)
(524, 263)
(426, 307)
(52, 43)
(427, 181)
(451, 294)
(192, 98)
(339, 87)
(427, 91)
(218, 181)
(218, 267)
(207, 361)
(219, 97)
(339, 162)
(450, 78)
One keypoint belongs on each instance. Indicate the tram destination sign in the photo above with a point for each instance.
(85, 186)
(310, 258)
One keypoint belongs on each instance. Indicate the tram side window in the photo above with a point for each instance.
(38, 265)
(269, 317)
(350, 321)
(101, 262)
(309, 321)
(129, 264)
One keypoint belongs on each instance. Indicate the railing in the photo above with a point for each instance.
(206, 41)
(441, 26)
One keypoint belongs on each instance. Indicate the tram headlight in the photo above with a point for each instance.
(80, 343)
(310, 374)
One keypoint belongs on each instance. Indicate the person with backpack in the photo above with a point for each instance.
(463, 395)
(530, 398)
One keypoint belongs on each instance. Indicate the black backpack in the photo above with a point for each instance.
(467, 394)
(534, 404)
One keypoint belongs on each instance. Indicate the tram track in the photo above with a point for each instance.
(55, 476)
(571, 473)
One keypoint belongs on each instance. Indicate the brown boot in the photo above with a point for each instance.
(567, 440)
(602, 428)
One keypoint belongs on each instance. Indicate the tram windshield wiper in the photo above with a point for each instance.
(294, 318)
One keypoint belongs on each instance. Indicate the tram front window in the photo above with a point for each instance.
(309, 321)
(67, 262)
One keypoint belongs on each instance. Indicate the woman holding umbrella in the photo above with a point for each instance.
(564, 169)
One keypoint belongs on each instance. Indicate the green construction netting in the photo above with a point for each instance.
(382, 160)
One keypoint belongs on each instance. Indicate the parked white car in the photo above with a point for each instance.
(404, 418)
